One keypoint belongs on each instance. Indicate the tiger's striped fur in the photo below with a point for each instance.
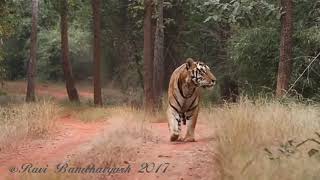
(183, 97)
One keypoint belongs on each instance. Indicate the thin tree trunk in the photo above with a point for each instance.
(67, 69)
(159, 57)
(96, 7)
(148, 56)
(30, 96)
(285, 63)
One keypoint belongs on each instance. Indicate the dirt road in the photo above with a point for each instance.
(70, 137)
(184, 161)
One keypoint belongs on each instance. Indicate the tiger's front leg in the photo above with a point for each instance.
(191, 125)
(174, 122)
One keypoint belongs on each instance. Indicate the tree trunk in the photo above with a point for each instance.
(96, 7)
(159, 57)
(30, 96)
(148, 56)
(285, 63)
(67, 69)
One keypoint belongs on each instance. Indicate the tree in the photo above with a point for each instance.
(96, 8)
(67, 69)
(148, 56)
(285, 63)
(158, 82)
(33, 54)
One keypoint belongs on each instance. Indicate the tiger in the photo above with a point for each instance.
(184, 96)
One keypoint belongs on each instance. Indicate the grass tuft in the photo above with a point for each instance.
(25, 120)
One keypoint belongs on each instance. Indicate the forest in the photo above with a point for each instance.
(83, 63)
(246, 43)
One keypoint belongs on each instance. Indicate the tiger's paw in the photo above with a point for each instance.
(174, 137)
(189, 139)
(180, 138)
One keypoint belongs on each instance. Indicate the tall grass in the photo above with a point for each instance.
(24, 120)
(248, 130)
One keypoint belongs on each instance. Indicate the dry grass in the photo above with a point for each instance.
(25, 120)
(244, 130)
(84, 112)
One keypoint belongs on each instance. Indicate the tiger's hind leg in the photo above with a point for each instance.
(191, 125)
(174, 122)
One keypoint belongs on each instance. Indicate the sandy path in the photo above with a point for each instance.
(57, 93)
(185, 161)
(70, 137)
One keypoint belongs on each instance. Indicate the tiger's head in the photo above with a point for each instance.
(200, 74)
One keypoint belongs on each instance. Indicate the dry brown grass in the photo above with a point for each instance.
(26, 120)
(244, 130)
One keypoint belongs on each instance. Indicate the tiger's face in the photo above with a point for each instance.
(200, 74)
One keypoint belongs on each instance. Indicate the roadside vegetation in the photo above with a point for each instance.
(255, 139)
(18, 122)
(262, 140)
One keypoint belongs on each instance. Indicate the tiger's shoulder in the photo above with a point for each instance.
(175, 76)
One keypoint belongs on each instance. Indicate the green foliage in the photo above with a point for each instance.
(245, 12)
(256, 51)
(49, 53)
(7, 25)
(254, 44)
(8, 18)
(308, 47)
(49, 58)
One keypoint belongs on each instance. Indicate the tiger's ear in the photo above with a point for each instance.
(189, 63)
